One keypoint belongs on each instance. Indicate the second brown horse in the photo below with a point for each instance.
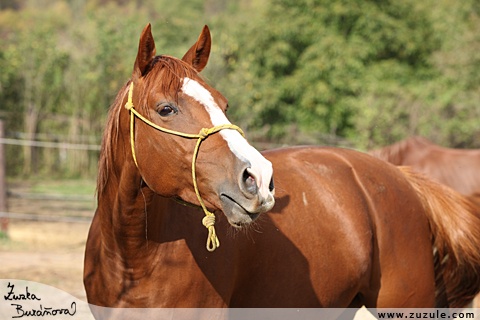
(457, 168)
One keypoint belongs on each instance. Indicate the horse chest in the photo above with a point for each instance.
(169, 284)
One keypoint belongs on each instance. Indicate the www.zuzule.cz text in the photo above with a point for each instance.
(426, 315)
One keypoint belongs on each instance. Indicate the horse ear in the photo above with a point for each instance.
(145, 55)
(197, 55)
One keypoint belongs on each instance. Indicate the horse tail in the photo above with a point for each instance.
(475, 198)
(455, 225)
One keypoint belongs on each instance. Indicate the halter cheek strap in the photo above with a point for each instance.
(209, 219)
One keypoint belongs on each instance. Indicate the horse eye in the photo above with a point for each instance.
(166, 111)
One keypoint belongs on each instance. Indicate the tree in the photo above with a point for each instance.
(38, 65)
(312, 64)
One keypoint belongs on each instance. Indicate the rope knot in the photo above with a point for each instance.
(209, 221)
(203, 134)
(129, 105)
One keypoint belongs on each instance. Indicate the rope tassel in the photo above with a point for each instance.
(209, 219)
(212, 240)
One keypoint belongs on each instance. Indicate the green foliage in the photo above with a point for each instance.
(373, 72)
(317, 64)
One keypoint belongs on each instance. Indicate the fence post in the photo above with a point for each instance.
(3, 181)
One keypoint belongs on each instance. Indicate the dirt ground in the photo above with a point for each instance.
(47, 252)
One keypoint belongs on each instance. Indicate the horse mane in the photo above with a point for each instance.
(166, 74)
(395, 153)
(454, 221)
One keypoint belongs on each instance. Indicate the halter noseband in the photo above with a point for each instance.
(209, 219)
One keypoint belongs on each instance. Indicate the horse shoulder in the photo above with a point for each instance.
(324, 213)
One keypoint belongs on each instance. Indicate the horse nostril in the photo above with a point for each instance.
(249, 182)
(271, 186)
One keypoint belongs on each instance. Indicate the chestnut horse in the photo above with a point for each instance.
(347, 229)
(457, 168)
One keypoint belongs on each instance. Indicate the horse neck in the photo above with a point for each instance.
(123, 203)
(401, 153)
(121, 210)
(393, 153)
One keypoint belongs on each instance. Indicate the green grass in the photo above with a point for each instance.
(3, 236)
(81, 187)
(65, 187)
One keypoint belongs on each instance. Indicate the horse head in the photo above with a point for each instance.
(169, 95)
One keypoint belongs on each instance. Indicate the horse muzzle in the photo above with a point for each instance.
(245, 202)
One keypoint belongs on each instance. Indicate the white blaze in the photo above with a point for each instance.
(261, 168)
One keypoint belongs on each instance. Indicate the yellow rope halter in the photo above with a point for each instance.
(209, 219)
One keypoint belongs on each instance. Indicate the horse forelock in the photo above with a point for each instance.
(166, 73)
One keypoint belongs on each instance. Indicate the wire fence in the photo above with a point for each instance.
(43, 196)
(45, 144)
(57, 198)
(39, 217)
(53, 137)
(5, 216)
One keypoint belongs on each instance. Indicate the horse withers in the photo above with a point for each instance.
(346, 230)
